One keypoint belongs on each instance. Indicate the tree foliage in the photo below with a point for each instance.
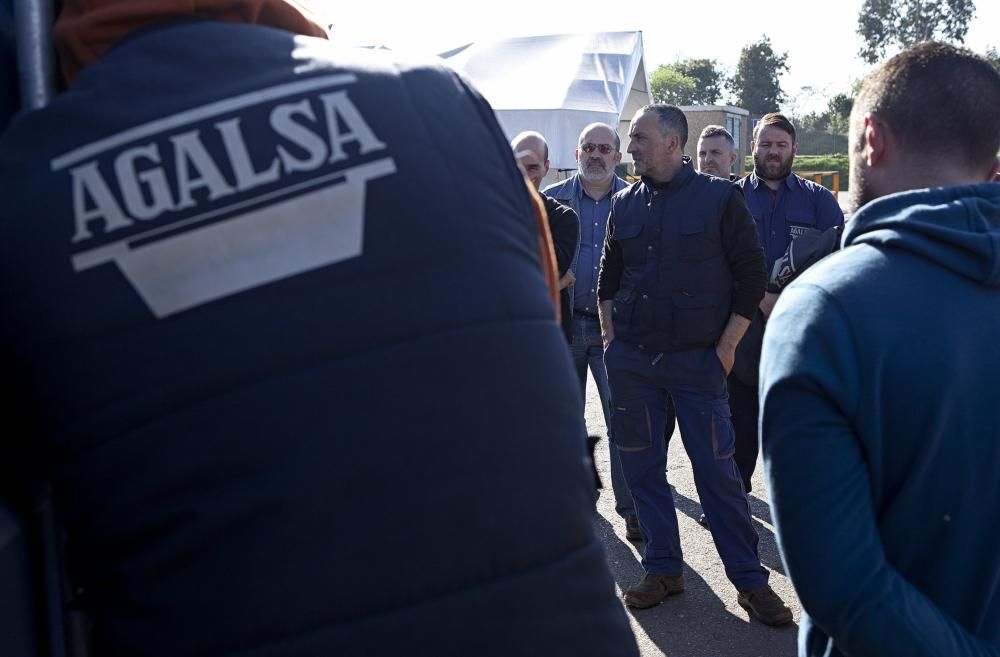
(839, 114)
(825, 132)
(687, 82)
(708, 79)
(993, 56)
(668, 85)
(755, 84)
(886, 23)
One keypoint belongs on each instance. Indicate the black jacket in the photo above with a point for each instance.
(564, 226)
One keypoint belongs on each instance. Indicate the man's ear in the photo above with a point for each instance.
(732, 158)
(618, 157)
(795, 149)
(546, 169)
(675, 143)
(576, 154)
(876, 138)
(753, 147)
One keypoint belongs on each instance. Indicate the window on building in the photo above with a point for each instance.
(734, 125)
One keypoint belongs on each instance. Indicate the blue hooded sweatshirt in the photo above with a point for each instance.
(880, 432)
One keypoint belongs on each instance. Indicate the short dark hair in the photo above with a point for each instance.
(936, 84)
(671, 119)
(776, 120)
(717, 131)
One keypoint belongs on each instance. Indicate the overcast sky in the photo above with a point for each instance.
(821, 42)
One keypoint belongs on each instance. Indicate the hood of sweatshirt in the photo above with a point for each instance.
(86, 29)
(955, 227)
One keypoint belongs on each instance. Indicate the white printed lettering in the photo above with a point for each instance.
(87, 179)
(236, 149)
(337, 104)
(188, 150)
(283, 124)
(154, 179)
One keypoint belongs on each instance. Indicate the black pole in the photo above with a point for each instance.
(36, 64)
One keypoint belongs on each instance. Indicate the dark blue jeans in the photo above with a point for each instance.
(640, 383)
(588, 351)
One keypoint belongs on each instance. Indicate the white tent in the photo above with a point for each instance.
(558, 84)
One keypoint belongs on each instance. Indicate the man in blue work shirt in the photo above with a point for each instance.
(589, 192)
(784, 207)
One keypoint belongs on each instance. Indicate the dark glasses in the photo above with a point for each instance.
(606, 149)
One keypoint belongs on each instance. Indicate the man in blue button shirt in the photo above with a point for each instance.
(784, 207)
(589, 192)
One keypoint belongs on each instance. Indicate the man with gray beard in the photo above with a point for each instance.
(589, 193)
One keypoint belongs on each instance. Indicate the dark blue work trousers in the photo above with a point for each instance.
(640, 383)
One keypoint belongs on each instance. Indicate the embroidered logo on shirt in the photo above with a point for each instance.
(192, 211)
(794, 231)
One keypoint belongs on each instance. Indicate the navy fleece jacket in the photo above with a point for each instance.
(880, 432)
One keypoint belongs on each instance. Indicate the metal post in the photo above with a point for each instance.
(36, 62)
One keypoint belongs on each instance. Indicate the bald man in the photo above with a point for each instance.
(532, 152)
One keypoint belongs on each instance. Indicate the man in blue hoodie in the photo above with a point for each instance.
(878, 379)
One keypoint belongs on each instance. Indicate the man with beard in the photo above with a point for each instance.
(589, 192)
(784, 206)
(717, 152)
(878, 379)
(681, 274)
(532, 151)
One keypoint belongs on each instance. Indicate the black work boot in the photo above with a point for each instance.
(764, 604)
(652, 589)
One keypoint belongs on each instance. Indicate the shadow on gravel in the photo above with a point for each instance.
(695, 623)
(760, 509)
(622, 561)
(768, 547)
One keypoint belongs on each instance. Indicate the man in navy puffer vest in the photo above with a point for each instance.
(244, 339)
(681, 273)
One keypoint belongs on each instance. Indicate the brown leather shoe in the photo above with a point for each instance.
(652, 589)
(765, 605)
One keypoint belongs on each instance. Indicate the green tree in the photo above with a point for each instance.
(993, 56)
(886, 23)
(670, 86)
(708, 79)
(755, 84)
(838, 114)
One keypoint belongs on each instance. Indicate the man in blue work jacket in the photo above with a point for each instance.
(589, 192)
(681, 274)
(784, 206)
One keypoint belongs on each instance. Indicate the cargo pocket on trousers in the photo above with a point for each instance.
(632, 427)
(723, 437)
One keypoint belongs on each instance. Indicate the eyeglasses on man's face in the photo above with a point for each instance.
(606, 149)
